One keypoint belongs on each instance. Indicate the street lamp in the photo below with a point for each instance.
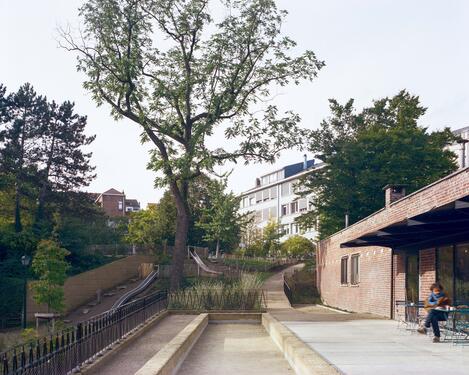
(25, 260)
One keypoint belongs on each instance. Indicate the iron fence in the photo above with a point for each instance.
(218, 299)
(287, 290)
(68, 350)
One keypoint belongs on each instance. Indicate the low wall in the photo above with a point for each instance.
(82, 288)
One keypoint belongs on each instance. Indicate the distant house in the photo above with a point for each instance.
(115, 204)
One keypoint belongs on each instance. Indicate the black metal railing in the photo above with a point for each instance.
(218, 299)
(73, 347)
(287, 290)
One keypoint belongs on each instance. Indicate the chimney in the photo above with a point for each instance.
(393, 192)
(305, 162)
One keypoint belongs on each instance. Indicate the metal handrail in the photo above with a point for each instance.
(140, 288)
(68, 350)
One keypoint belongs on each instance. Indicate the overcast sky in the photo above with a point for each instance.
(372, 49)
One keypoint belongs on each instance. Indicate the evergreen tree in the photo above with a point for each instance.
(24, 117)
(64, 166)
(365, 151)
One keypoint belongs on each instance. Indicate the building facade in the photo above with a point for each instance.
(396, 253)
(115, 204)
(461, 147)
(275, 198)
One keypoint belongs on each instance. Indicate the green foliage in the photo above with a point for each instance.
(364, 152)
(208, 76)
(298, 247)
(50, 266)
(221, 222)
(155, 225)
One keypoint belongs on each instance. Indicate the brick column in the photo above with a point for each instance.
(427, 272)
(399, 277)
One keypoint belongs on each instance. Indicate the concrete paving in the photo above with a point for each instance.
(235, 349)
(362, 347)
(130, 359)
(276, 298)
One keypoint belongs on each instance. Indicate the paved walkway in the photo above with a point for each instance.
(276, 298)
(363, 344)
(130, 359)
(235, 349)
(369, 347)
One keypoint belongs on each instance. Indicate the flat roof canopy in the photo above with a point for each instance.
(442, 225)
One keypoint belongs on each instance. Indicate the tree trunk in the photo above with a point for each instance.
(180, 247)
(217, 253)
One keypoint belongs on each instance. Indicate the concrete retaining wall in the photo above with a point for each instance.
(303, 359)
(82, 288)
(168, 359)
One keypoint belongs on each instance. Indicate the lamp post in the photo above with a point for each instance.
(25, 259)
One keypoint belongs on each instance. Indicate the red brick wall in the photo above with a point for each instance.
(372, 294)
(110, 204)
(374, 291)
(427, 272)
(399, 275)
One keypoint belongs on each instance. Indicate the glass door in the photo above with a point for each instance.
(462, 274)
(412, 278)
(445, 270)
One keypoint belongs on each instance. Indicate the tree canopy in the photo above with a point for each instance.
(383, 144)
(181, 74)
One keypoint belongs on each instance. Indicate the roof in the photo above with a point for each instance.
(293, 169)
(461, 130)
(312, 167)
(113, 191)
(132, 203)
(439, 210)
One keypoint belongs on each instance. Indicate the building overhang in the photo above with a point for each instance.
(438, 226)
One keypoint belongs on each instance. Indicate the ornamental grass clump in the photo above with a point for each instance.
(242, 294)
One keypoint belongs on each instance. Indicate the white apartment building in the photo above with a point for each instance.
(461, 148)
(274, 198)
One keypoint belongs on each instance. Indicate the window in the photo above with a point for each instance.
(284, 209)
(259, 196)
(273, 177)
(294, 228)
(252, 200)
(265, 194)
(129, 209)
(285, 229)
(266, 214)
(302, 204)
(119, 205)
(273, 192)
(285, 189)
(265, 180)
(462, 273)
(273, 211)
(355, 269)
(343, 270)
(245, 202)
(294, 207)
(445, 269)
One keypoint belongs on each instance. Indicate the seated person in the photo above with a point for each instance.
(436, 306)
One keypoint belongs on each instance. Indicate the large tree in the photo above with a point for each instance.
(64, 166)
(24, 115)
(182, 75)
(365, 151)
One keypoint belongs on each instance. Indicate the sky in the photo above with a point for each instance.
(372, 49)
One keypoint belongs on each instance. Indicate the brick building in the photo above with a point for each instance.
(115, 203)
(397, 252)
